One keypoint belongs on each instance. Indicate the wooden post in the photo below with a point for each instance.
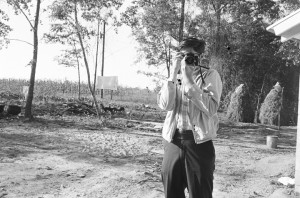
(111, 94)
(280, 107)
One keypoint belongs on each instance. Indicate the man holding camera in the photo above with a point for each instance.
(191, 123)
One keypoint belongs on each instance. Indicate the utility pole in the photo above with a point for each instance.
(103, 47)
(96, 62)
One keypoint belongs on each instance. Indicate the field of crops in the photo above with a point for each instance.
(57, 98)
(67, 89)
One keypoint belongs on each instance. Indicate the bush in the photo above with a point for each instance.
(239, 109)
(270, 108)
(224, 103)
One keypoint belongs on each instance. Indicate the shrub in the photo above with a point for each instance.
(224, 103)
(239, 109)
(270, 108)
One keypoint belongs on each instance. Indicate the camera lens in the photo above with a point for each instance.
(190, 59)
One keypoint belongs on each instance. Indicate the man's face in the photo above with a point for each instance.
(186, 51)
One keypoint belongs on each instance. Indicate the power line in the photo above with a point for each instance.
(109, 29)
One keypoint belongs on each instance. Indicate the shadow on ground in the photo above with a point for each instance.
(257, 134)
(20, 139)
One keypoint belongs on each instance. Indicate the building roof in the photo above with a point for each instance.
(287, 27)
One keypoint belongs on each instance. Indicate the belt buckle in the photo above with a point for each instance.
(181, 130)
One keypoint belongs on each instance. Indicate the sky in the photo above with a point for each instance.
(120, 55)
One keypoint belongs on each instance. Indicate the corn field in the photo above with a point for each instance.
(68, 90)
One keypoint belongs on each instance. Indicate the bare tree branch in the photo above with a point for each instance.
(20, 41)
(18, 6)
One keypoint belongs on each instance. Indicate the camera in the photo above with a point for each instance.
(191, 59)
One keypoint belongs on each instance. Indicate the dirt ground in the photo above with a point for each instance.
(75, 156)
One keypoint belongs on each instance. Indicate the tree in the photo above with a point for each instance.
(21, 6)
(252, 57)
(252, 62)
(238, 45)
(75, 18)
(64, 34)
(154, 22)
(4, 28)
(290, 50)
(156, 27)
(70, 58)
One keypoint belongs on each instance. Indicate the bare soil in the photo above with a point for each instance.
(77, 156)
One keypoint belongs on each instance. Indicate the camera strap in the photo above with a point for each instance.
(202, 78)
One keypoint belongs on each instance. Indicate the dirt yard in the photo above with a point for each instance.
(75, 156)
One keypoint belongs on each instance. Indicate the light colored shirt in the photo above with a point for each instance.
(203, 102)
(183, 121)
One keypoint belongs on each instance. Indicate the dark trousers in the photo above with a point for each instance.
(188, 165)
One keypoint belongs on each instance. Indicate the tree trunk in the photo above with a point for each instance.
(218, 30)
(78, 31)
(28, 107)
(180, 38)
(258, 101)
(103, 48)
(168, 67)
(79, 87)
(96, 63)
(78, 70)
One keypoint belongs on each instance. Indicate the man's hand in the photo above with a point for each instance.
(176, 66)
(187, 73)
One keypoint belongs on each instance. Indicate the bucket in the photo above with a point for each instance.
(272, 141)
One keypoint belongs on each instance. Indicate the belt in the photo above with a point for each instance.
(183, 134)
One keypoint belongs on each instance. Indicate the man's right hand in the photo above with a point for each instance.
(176, 66)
